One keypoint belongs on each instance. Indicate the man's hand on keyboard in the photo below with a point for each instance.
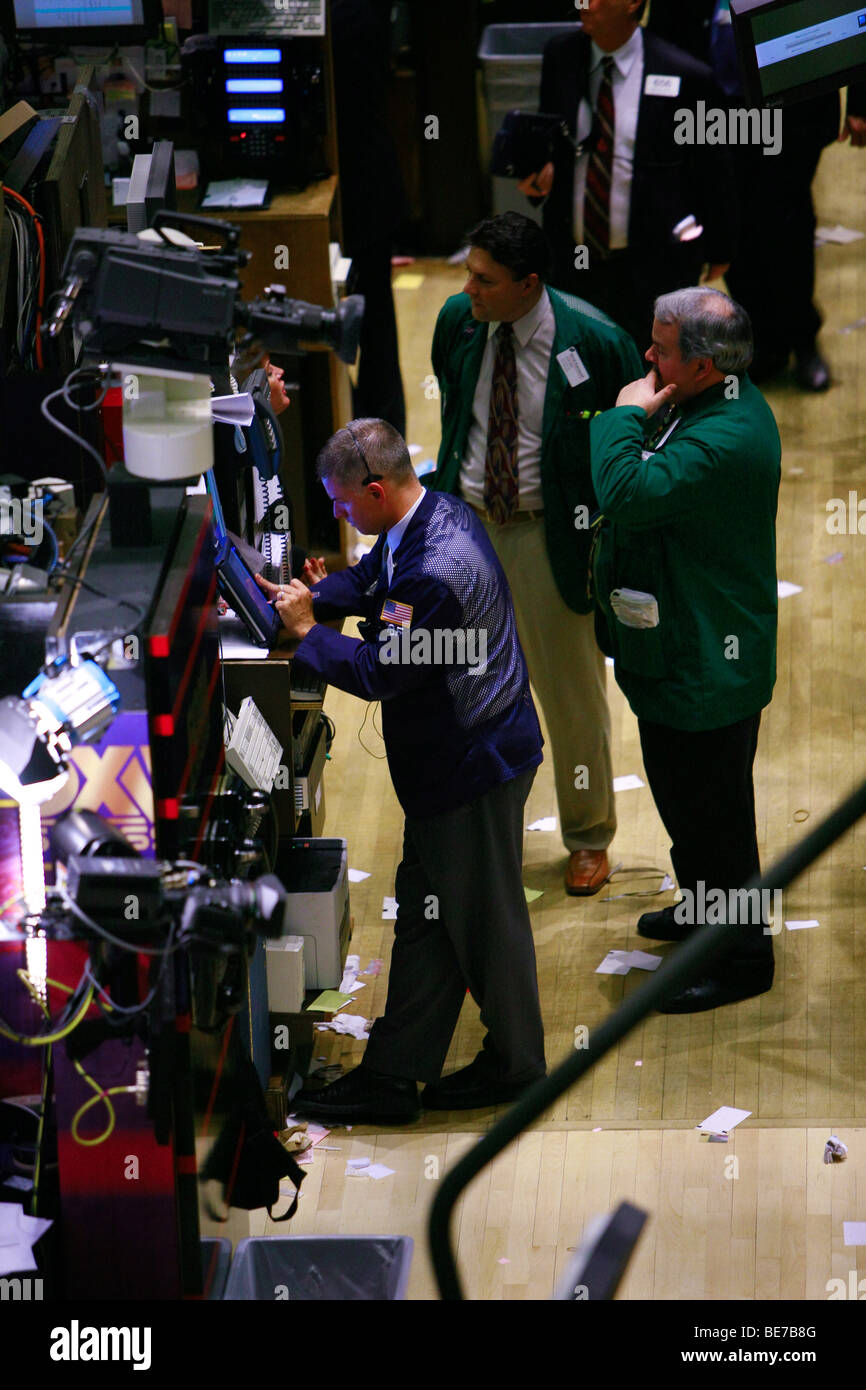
(294, 603)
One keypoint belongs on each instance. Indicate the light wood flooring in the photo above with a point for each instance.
(761, 1216)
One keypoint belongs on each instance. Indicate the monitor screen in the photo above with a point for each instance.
(94, 22)
(241, 591)
(793, 49)
(219, 525)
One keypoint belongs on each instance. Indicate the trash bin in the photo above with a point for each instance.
(510, 56)
(216, 1258)
(320, 1267)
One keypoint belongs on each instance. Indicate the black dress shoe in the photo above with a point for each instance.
(710, 992)
(663, 925)
(472, 1087)
(811, 371)
(364, 1095)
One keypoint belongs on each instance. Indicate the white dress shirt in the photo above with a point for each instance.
(627, 78)
(396, 533)
(533, 342)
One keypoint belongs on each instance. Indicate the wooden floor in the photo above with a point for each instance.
(761, 1216)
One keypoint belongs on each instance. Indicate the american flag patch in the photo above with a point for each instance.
(398, 613)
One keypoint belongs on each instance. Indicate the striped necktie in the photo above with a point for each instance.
(500, 463)
(596, 201)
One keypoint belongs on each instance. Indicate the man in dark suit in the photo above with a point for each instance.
(773, 273)
(617, 212)
(440, 650)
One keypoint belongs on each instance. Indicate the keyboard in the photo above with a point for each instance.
(292, 18)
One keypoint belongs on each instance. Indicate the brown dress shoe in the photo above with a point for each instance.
(587, 870)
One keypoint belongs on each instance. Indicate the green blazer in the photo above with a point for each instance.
(610, 357)
(694, 525)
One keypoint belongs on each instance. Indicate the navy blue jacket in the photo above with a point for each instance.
(455, 725)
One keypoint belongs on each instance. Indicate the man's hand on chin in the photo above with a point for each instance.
(644, 393)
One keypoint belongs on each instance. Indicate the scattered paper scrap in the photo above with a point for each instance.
(413, 449)
(354, 1165)
(723, 1120)
(801, 926)
(841, 235)
(608, 661)
(389, 909)
(18, 1235)
(628, 783)
(855, 1232)
(357, 875)
(504, 1261)
(532, 894)
(835, 559)
(353, 1024)
(407, 280)
(329, 1001)
(835, 1151)
(643, 960)
(597, 1129)
(378, 1170)
(639, 1063)
(375, 967)
(667, 882)
(614, 964)
(796, 472)
(621, 962)
(546, 823)
(786, 588)
(852, 327)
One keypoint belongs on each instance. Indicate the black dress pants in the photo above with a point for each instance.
(462, 923)
(379, 392)
(773, 272)
(702, 786)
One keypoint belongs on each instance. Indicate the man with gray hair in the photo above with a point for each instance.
(686, 468)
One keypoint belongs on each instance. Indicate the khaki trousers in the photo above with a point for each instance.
(568, 675)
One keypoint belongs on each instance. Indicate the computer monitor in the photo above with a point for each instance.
(219, 525)
(97, 22)
(792, 49)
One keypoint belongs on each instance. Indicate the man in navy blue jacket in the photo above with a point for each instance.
(440, 650)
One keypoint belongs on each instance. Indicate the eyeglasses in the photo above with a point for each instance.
(371, 477)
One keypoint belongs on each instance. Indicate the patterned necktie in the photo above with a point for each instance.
(500, 464)
(596, 201)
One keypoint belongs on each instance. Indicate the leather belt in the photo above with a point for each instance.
(512, 520)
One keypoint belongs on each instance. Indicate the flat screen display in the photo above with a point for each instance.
(792, 49)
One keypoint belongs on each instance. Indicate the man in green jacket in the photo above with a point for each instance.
(686, 469)
(521, 370)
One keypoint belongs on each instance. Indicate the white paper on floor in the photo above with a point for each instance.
(389, 909)
(546, 823)
(801, 926)
(855, 1232)
(353, 1024)
(786, 588)
(642, 960)
(630, 782)
(723, 1120)
(614, 964)
(841, 235)
(357, 875)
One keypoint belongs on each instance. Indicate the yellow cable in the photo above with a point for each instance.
(94, 1100)
(50, 1037)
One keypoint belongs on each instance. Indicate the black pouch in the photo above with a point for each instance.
(525, 142)
(247, 1158)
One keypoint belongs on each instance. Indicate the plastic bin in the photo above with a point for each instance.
(510, 56)
(216, 1258)
(307, 1268)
